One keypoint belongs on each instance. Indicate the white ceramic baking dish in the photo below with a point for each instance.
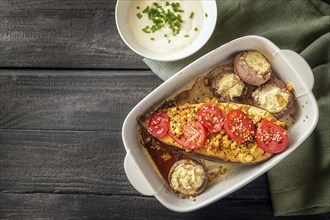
(287, 65)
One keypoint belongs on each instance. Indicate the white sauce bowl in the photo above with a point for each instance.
(144, 46)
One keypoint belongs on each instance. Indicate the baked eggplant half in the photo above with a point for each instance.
(252, 67)
(275, 97)
(213, 130)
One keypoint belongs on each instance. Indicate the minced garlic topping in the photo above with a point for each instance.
(257, 62)
(230, 85)
(271, 98)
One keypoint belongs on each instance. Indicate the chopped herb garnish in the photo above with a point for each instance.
(175, 6)
(161, 17)
(196, 29)
(165, 35)
(169, 41)
(139, 15)
(167, 4)
(145, 30)
(191, 15)
(152, 38)
(146, 10)
(187, 35)
(206, 15)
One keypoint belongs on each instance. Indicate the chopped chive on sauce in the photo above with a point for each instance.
(160, 17)
(164, 15)
(175, 6)
(139, 15)
(191, 15)
(145, 10)
(145, 30)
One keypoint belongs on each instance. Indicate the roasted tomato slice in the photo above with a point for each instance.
(210, 116)
(193, 137)
(158, 125)
(238, 126)
(271, 138)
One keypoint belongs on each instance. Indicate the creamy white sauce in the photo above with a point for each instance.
(163, 40)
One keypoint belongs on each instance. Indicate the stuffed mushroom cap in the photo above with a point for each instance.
(227, 86)
(252, 67)
(187, 178)
(275, 97)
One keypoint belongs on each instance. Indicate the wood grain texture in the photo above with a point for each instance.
(76, 100)
(67, 206)
(53, 33)
(63, 162)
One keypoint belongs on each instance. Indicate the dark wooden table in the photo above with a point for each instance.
(67, 82)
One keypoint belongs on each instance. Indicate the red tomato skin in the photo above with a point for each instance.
(210, 116)
(159, 124)
(246, 126)
(190, 140)
(276, 136)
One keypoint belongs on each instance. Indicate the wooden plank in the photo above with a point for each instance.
(75, 162)
(71, 100)
(66, 206)
(62, 162)
(105, 207)
(79, 34)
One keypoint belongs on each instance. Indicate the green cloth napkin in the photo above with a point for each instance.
(300, 184)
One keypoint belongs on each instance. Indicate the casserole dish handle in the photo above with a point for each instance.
(136, 177)
(301, 65)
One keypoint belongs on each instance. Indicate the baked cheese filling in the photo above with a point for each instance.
(230, 85)
(187, 178)
(257, 62)
(271, 98)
